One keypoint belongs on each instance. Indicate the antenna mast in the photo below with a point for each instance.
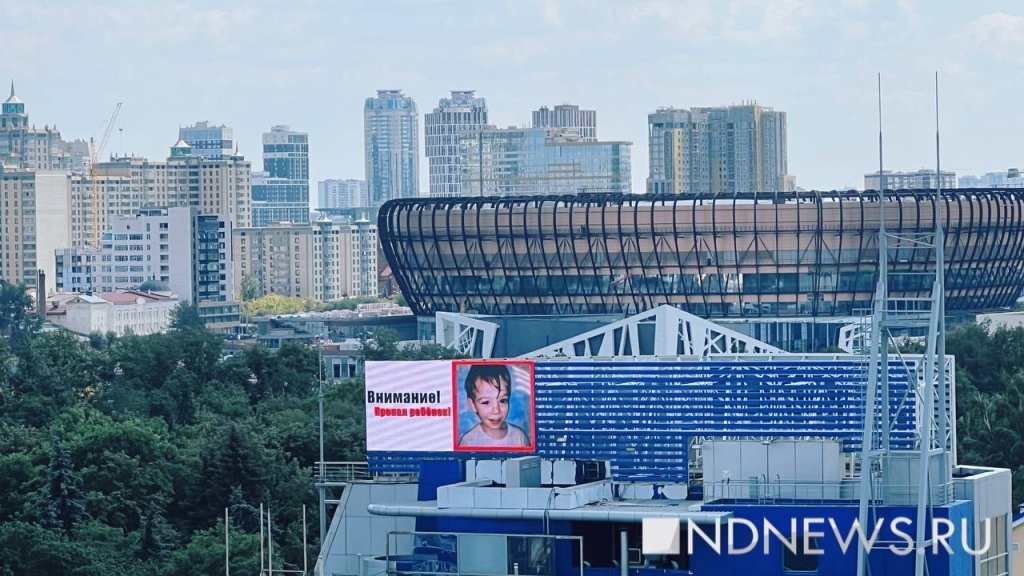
(874, 448)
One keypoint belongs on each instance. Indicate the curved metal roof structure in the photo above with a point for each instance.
(806, 254)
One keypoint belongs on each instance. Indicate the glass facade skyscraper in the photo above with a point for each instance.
(531, 161)
(281, 192)
(392, 142)
(722, 150)
(462, 114)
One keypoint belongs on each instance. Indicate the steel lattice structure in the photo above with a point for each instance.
(801, 254)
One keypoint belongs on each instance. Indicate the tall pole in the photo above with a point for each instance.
(934, 364)
(322, 488)
(305, 561)
(883, 284)
(878, 360)
(940, 278)
(227, 546)
(270, 543)
(262, 565)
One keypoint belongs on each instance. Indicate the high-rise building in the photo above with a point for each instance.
(362, 281)
(462, 114)
(342, 194)
(392, 135)
(286, 153)
(25, 146)
(723, 150)
(124, 186)
(920, 180)
(281, 192)
(188, 251)
(322, 260)
(568, 116)
(678, 149)
(36, 221)
(552, 161)
(208, 141)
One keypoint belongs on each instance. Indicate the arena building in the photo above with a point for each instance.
(787, 268)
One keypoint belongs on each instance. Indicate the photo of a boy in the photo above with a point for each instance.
(488, 390)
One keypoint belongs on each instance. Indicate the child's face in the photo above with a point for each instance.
(491, 404)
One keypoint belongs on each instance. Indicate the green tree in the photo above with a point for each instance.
(251, 287)
(29, 548)
(53, 371)
(158, 538)
(276, 304)
(20, 477)
(244, 516)
(204, 554)
(381, 344)
(18, 320)
(351, 303)
(233, 454)
(63, 497)
(185, 316)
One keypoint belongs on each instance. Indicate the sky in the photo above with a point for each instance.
(311, 65)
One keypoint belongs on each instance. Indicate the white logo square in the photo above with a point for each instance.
(660, 536)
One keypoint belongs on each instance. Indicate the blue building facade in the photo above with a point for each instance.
(728, 440)
(281, 192)
(392, 143)
(541, 161)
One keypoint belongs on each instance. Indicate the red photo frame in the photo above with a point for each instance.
(458, 407)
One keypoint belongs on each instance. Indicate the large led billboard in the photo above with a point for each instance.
(450, 406)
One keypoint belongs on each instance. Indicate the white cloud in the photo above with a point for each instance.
(777, 19)
(551, 13)
(690, 17)
(742, 21)
(1000, 34)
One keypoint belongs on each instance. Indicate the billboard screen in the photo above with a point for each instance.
(450, 406)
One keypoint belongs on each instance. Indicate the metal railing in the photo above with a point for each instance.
(345, 472)
(806, 492)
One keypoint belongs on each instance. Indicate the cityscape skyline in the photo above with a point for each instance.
(817, 63)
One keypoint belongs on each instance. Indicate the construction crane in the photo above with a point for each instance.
(95, 152)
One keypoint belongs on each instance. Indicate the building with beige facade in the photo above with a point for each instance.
(24, 145)
(718, 150)
(179, 247)
(323, 260)
(136, 312)
(35, 221)
(124, 186)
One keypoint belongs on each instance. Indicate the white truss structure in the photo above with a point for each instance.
(676, 333)
(463, 333)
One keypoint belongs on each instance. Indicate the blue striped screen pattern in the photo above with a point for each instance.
(641, 416)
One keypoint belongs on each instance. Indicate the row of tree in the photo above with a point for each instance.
(119, 455)
(275, 304)
(990, 398)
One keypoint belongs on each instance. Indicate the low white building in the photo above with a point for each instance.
(118, 312)
(187, 250)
